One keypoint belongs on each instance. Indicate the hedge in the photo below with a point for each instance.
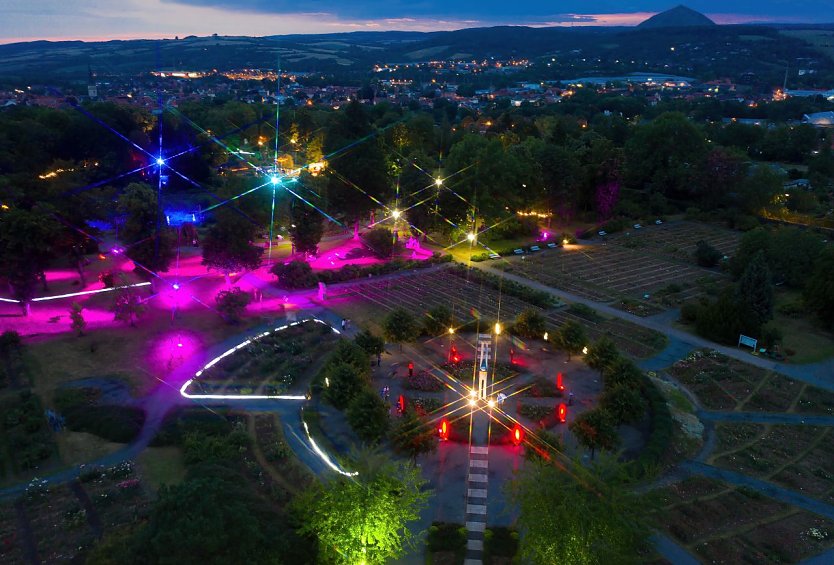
(661, 432)
(538, 298)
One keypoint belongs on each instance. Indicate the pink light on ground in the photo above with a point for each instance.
(51, 318)
(348, 254)
(172, 349)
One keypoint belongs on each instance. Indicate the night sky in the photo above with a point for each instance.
(23, 20)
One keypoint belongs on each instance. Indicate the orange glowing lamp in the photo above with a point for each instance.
(443, 430)
(563, 413)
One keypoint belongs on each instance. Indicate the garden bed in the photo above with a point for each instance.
(270, 365)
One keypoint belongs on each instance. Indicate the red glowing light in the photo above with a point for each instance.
(101, 257)
(443, 430)
(401, 403)
(518, 435)
(559, 384)
(563, 413)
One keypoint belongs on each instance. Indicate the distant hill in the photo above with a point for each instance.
(679, 16)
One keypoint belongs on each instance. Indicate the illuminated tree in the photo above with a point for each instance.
(581, 520)
(228, 245)
(364, 519)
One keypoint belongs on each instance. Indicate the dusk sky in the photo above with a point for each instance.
(24, 20)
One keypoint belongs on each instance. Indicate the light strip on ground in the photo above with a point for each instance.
(323, 456)
(83, 293)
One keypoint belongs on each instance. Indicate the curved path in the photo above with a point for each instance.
(166, 396)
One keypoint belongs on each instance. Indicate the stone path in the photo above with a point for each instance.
(477, 487)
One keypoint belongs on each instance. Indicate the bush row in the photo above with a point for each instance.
(523, 292)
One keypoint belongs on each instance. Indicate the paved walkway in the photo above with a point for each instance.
(818, 374)
(765, 418)
(477, 487)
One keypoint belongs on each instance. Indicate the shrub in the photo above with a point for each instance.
(500, 542)
(530, 324)
(706, 255)
(622, 371)
(368, 416)
(380, 241)
(423, 381)
(437, 320)
(543, 387)
(231, 304)
(443, 536)
(602, 353)
(294, 275)
(535, 412)
(535, 297)
(120, 424)
(584, 311)
(689, 312)
(625, 403)
(344, 383)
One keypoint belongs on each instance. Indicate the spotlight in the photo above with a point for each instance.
(275, 179)
(160, 161)
(497, 328)
(470, 236)
(472, 402)
(473, 394)
(451, 330)
(179, 344)
(438, 181)
(565, 241)
(396, 214)
(491, 403)
(176, 286)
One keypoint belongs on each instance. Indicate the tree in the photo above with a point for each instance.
(26, 246)
(581, 520)
(78, 322)
(381, 242)
(295, 274)
(625, 403)
(706, 255)
(368, 416)
(759, 189)
(595, 429)
(755, 289)
(622, 371)
(571, 337)
(667, 155)
(412, 436)
(210, 520)
(231, 303)
(530, 324)
(128, 305)
(751, 243)
(372, 344)
(227, 246)
(345, 382)
(399, 327)
(364, 519)
(819, 291)
(602, 353)
(306, 228)
(438, 320)
(143, 233)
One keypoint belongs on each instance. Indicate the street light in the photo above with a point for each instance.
(160, 161)
(438, 181)
(451, 331)
(275, 180)
(491, 403)
(497, 328)
(470, 236)
(396, 214)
